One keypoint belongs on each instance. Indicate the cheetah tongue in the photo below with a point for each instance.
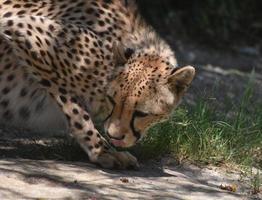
(118, 143)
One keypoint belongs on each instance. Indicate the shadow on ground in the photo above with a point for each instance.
(25, 175)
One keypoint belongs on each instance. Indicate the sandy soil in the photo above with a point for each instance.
(51, 169)
(49, 179)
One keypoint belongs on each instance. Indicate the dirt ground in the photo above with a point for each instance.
(50, 179)
(55, 169)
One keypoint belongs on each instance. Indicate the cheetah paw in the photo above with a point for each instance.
(117, 160)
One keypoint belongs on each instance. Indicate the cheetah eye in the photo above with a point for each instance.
(138, 113)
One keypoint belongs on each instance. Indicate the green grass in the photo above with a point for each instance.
(206, 134)
(256, 183)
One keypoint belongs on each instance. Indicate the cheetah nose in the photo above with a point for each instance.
(114, 131)
(121, 137)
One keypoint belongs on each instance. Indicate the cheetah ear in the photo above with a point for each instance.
(180, 79)
(121, 54)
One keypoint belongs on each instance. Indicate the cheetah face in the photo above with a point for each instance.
(144, 92)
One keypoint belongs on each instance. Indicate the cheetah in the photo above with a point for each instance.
(73, 64)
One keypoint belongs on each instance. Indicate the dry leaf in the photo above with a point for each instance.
(231, 188)
(124, 180)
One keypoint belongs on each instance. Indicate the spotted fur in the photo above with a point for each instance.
(69, 63)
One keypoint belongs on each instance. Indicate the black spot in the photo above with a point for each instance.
(101, 12)
(90, 10)
(39, 30)
(23, 92)
(96, 63)
(17, 6)
(28, 44)
(51, 27)
(69, 55)
(28, 5)
(32, 18)
(63, 98)
(10, 77)
(34, 55)
(107, 1)
(7, 2)
(4, 103)
(18, 33)
(61, 34)
(89, 23)
(5, 90)
(78, 125)
(74, 51)
(7, 32)
(7, 115)
(86, 138)
(62, 90)
(86, 117)
(97, 146)
(41, 19)
(93, 51)
(73, 100)
(24, 113)
(75, 111)
(87, 40)
(87, 61)
(101, 23)
(20, 25)
(29, 26)
(21, 12)
(90, 133)
(45, 83)
(29, 33)
(10, 23)
(47, 42)
(42, 53)
(8, 14)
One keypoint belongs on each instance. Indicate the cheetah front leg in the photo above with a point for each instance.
(31, 48)
(83, 130)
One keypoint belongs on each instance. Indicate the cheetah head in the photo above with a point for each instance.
(143, 92)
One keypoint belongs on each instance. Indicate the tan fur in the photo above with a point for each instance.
(92, 59)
